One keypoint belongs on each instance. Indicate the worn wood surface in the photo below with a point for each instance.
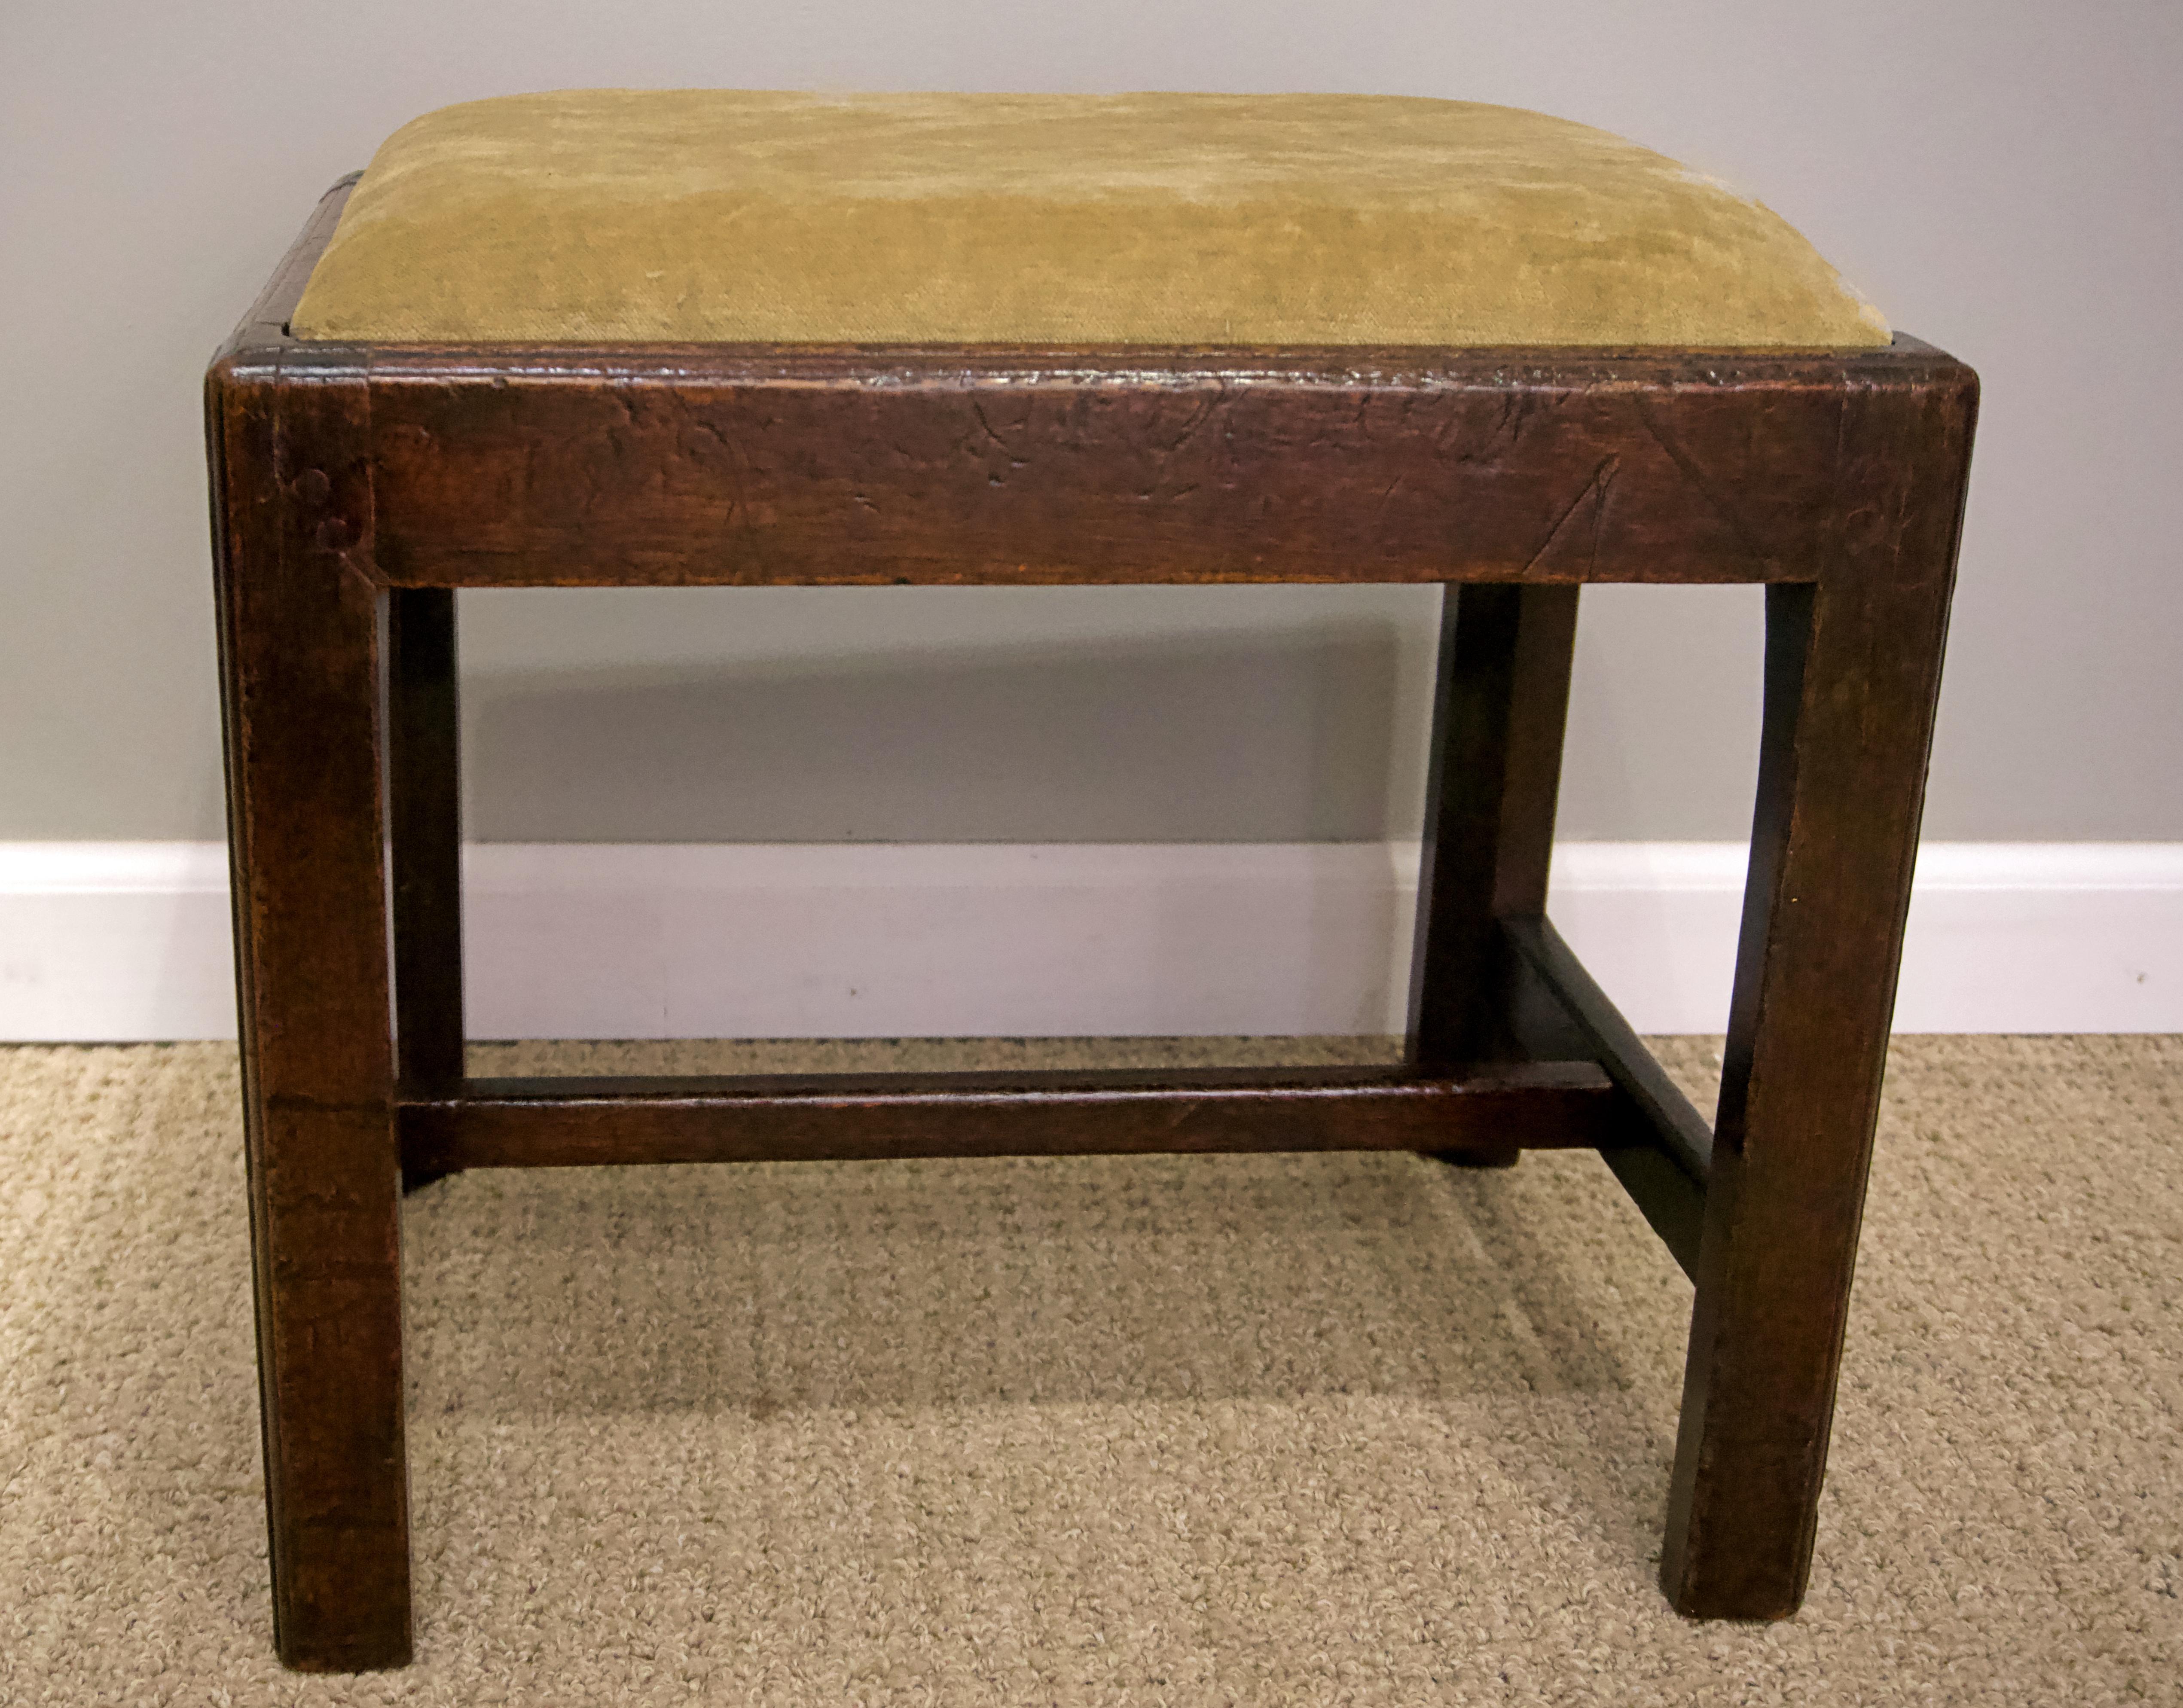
(1500, 707)
(301, 650)
(745, 467)
(354, 486)
(739, 465)
(533, 1122)
(1664, 1155)
(1852, 673)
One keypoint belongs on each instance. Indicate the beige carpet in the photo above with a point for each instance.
(1331, 1429)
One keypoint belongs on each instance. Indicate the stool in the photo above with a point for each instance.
(614, 338)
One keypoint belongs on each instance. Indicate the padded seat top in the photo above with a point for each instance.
(707, 215)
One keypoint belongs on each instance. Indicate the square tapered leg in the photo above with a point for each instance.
(1851, 671)
(302, 644)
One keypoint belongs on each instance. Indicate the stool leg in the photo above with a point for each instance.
(425, 830)
(1500, 706)
(1852, 672)
(301, 646)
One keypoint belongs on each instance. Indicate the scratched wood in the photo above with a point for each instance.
(1852, 676)
(742, 467)
(560, 1123)
(354, 485)
(301, 650)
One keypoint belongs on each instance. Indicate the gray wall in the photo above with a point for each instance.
(2001, 176)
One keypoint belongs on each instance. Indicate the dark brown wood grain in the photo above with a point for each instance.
(301, 638)
(1500, 707)
(354, 486)
(557, 1122)
(734, 467)
(1664, 1155)
(1853, 675)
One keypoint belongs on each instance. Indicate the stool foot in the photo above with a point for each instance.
(1851, 675)
(302, 682)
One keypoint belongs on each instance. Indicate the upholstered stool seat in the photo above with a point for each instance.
(744, 218)
(717, 338)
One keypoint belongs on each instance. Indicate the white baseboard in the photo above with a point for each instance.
(129, 940)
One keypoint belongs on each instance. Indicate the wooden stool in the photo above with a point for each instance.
(614, 339)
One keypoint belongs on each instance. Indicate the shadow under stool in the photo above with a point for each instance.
(365, 469)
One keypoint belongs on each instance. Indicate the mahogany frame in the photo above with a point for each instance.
(356, 487)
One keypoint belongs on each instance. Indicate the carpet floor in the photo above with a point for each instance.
(1356, 1429)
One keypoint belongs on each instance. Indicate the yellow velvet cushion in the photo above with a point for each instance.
(713, 215)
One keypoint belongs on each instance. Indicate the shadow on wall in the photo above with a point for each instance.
(1215, 738)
